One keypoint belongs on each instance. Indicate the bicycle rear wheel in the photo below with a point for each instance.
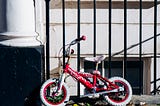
(119, 98)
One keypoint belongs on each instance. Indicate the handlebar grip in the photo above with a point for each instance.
(81, 38)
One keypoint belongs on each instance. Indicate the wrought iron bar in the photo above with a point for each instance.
(140, 46)
(125, 37)
(47, 2)
(63, 15)
(78, 45)
(94, 28)
(155, 45)
(110, 33)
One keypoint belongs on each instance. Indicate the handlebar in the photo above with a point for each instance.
(67, 51)
(78, 40)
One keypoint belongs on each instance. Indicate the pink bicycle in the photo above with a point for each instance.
(116, 91)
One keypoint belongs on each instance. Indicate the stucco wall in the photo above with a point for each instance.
(102, 29)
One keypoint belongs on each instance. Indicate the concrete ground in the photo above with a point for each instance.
(137, 100)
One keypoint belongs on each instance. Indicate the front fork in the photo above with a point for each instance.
(60, 82)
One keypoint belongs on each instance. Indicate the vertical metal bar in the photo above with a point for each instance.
(47, 41)
(140, 45)
(63, 16)
(155, 45)
(125, 37)
(78, 45)
(110, 31)
(43, 65)
(94, 28)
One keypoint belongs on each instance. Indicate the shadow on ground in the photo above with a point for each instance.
(77, 101)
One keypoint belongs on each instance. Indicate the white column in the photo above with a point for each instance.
(17, 26)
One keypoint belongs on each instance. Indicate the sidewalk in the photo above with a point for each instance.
(143, 100)
(146, 99)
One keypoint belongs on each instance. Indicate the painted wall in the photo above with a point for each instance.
(102, 29)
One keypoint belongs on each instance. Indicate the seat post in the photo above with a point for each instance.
(96, 72)
(97, 65)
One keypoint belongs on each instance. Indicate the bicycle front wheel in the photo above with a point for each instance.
(50, 97)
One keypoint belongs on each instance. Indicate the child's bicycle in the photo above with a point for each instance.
(116, 91)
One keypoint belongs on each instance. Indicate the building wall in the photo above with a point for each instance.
(102, 29)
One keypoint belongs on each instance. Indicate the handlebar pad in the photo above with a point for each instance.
(81, 38)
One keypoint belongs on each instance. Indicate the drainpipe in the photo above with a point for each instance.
(17, 26)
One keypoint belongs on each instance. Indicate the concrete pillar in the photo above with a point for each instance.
(17, 23)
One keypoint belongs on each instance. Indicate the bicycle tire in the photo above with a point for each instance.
(116, 100)
(60, 99)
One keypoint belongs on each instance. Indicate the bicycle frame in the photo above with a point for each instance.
(81, 77)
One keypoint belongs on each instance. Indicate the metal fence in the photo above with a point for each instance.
(125, 5)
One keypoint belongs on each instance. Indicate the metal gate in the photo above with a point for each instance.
(109, 5)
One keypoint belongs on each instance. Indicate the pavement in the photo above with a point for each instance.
(148, 100)
(137, 100)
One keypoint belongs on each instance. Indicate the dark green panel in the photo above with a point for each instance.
(20, 75)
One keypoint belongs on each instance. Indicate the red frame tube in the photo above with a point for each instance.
(81, 77)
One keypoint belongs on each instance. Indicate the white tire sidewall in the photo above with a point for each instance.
(129, 96)
(43, 99)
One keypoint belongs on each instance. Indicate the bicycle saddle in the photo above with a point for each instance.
(96, 59)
